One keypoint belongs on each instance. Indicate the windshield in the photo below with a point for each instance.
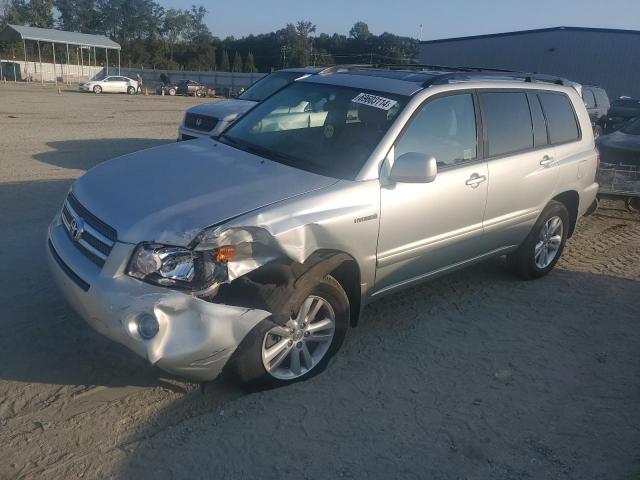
(325, 129)
(267, 86)
(632, 128)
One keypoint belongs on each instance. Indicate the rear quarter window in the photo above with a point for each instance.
(507, 122)
(561, 119)
(589, 99)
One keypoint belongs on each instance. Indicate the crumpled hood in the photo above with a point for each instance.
(226, 110)
(168, 194)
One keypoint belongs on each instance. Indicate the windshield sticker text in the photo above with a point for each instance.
(374, 101)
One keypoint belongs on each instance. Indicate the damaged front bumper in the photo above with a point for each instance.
(195, 338)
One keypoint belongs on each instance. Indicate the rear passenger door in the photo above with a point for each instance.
(522, 163)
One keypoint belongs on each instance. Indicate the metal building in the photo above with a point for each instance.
(606, 57)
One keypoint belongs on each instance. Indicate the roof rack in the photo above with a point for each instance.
(430, 67)
(460, 73)
(513, 76)
(442, 74)
(344, 67)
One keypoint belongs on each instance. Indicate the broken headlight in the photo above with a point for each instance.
(199, 272)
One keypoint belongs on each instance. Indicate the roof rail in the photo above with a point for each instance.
(447, 68)
(344, 67)
(496, 75)
(460, 73)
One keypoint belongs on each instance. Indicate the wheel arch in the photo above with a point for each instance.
(571, 200)
(277, 285)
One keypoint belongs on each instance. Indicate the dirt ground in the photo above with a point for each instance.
(476, 375)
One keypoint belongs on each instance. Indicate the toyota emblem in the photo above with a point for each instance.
(76, 228)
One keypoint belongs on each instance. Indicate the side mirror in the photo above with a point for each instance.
(413, 167)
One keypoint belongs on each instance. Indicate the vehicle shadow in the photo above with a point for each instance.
(86, 154)
(471, 375)
(43, 340)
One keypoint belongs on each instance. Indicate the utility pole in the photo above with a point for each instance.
(420, 36)
(284, 49)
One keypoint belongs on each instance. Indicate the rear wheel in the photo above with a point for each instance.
(274, 355)
(632, 204)
(97, 89)
(543, 247)
(201, 93)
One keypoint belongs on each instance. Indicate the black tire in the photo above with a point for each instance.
(172, 92)
(97, 89)
(632, 204)
(522, 261)
(246, 365)
(131, 90)
(201, 93)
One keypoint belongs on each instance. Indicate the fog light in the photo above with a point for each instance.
(148, 326)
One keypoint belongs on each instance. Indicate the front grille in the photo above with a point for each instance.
(65, 268)
(89, 234)
(200, 122)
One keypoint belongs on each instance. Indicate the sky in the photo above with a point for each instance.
(440, 18)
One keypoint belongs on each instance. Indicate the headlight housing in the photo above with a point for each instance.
(195, 271)
(220, 255)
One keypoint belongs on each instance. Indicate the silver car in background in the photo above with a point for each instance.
(256, 251)
(210, 119)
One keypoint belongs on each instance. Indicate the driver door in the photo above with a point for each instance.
(425, 228)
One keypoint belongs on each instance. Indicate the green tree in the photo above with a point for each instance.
(15, 12)
(360, 31)
(224, 62)
(41, 13)
(77, 15)
(249, 64)
(175, 27)
(237, 62)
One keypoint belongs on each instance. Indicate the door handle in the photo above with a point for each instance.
(546, 161)
(475, 180)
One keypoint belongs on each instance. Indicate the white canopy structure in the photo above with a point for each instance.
(84, 41)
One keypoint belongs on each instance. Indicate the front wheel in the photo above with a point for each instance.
(274, 355)
(543, 247)
(131, 90)
(97, 89)
(172, 91)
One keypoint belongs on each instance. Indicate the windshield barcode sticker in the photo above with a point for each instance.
(374, 101)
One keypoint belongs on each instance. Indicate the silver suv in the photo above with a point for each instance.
(211, 119)
(256, 252)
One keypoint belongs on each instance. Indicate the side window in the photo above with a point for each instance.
(589, 99)
(540, 137)
(560, 118)
(507, 121)
(444, 128)
(601, 98)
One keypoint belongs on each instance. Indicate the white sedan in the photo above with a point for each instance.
(112, 84)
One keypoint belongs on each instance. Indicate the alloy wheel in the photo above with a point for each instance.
(292, 350)
(548, 243)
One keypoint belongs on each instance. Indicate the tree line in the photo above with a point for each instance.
(170, 38)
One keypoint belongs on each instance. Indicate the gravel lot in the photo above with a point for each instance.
(473, 376)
